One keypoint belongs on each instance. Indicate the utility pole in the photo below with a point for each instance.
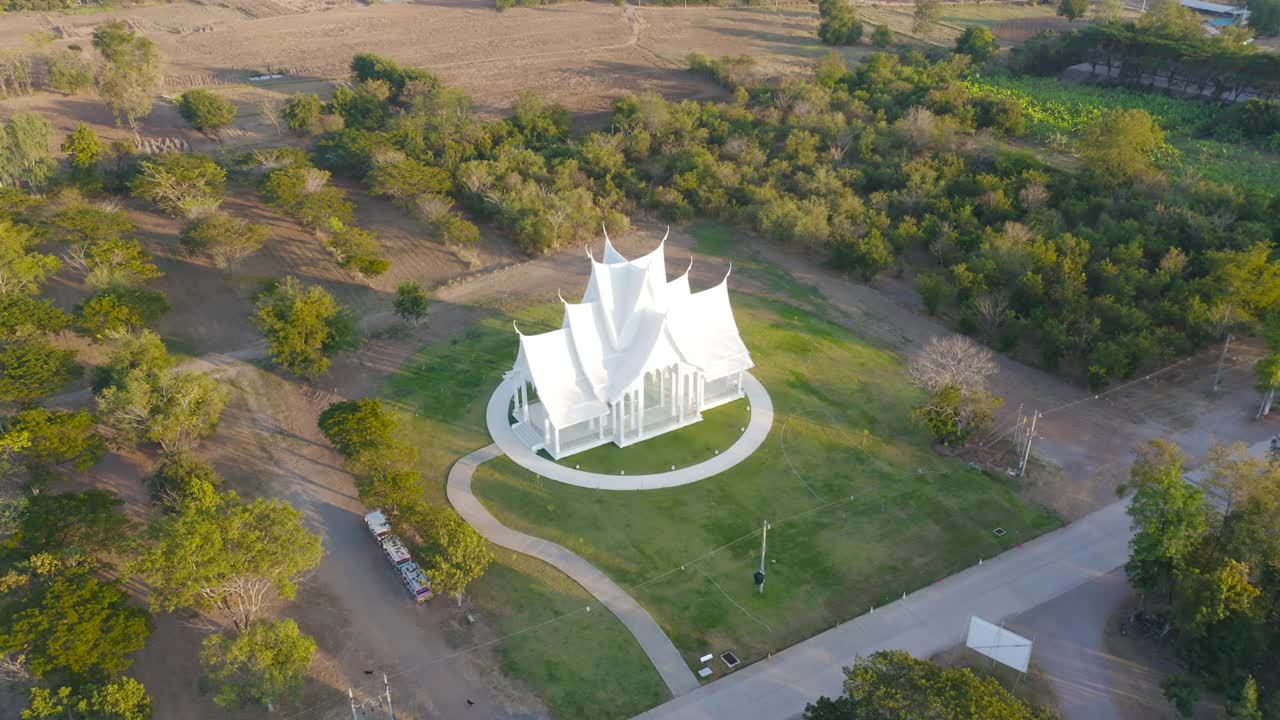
(764, 537)
(1026, 450)
(390, 710)
(1222, 359)
(352, 697)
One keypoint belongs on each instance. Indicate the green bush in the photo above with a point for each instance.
(120, 310)
(302, 113)
(206, 111)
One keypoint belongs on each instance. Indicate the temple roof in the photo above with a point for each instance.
(631, 320)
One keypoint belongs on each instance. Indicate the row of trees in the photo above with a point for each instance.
(366, 433)
(1205, 557)
(1166, 48)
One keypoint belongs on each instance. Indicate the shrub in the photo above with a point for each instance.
(69, 72)
(223, 238)
(120, 310)
(882, 37)
(206, 111)
(978, 43)
(302, 113)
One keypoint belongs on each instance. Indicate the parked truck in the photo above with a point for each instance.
(413, 577)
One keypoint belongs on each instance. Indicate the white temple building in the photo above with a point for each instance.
(640, 356)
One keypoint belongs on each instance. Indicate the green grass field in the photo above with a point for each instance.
(862, 507)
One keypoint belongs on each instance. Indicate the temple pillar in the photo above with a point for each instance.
(546, 431)
(556, 432)
(679, 391)
(524, 399)
(640, 408)
(739, 382)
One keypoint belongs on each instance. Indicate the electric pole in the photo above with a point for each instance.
(764, 537)
(390, 711)
(352, 696)
(1222, 359)
(1026, 449)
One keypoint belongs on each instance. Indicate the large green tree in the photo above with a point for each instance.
(206, 111)
(303, 325)
(358, 426)
(25, 158)
(130, 75)
(84, 524)
(1170, 516)
(455, 554)
(1118, 146)
(893, 685)
(22, 269)
(31, 368)
(175, 409)
(123, 698)
(57, 437)
(260, 666)
(229, 557)
(78, 624)
(181, 183)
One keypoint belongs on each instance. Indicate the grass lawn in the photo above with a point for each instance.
(862, 508)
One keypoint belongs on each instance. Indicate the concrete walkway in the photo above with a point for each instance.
(497, 417)
(655, 643)
(925, 622)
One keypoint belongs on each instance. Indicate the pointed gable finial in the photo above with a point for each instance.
(605, 228)
(589, 255)
(517, 327)
(664, 237)
(690, 268)
(727, 273)
(559, 295)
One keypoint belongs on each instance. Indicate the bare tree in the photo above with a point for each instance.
(992, 308)
(954, 361)
(270, 107)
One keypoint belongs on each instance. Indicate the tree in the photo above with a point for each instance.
(223, 238)
(206, 111)
(1245, 705)
(1169, 514)
(882, 36)
(1108, 11)
(112, 262)
(68, 71)
(302, 113)
(892, 685)
(305, 193)
(954, 414)
(84, 524)
(180, 183)
(1117, 147)
(410, 302)
(143, 351)
(1267, 372)
(355, 427)
(1072, 9)
(228, 556)
(78, 624)
(403, 179)
(926, 17)
(840, 24)
(978, 43)
(174, 410)
(57, 437)
(119, 310)
(25, 160)
(83, 149)
(1264, 16)
(1182, 692)
(22, 270)
(129, 78)
(183, 482)
(263, 665)
(303, 325)
(356, 249)
(952, 361)
(456, 555)
(1170, 20)
(23, 316)
(31, 368)
(120, 699)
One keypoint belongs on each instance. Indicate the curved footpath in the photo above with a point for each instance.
(754, 436)
(655, 643)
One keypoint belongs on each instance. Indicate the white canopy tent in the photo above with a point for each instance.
(641, 355)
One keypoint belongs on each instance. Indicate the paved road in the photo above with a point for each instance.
(655, 643)
(761, 407)
(925, 622)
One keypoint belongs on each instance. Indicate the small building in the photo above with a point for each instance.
(1217, 16)
(640, 356)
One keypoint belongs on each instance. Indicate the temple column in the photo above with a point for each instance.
(697, 393)
(556, 431)
(546, 431)
(524, 400)
(679, 391)
(640, 408)
(600, 427)
(662, 387)
(739, 382)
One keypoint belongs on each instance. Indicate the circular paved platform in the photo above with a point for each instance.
(497, 417)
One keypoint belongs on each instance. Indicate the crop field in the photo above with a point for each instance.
(1055, 110)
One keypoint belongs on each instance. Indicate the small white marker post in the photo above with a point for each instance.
(764, 537)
